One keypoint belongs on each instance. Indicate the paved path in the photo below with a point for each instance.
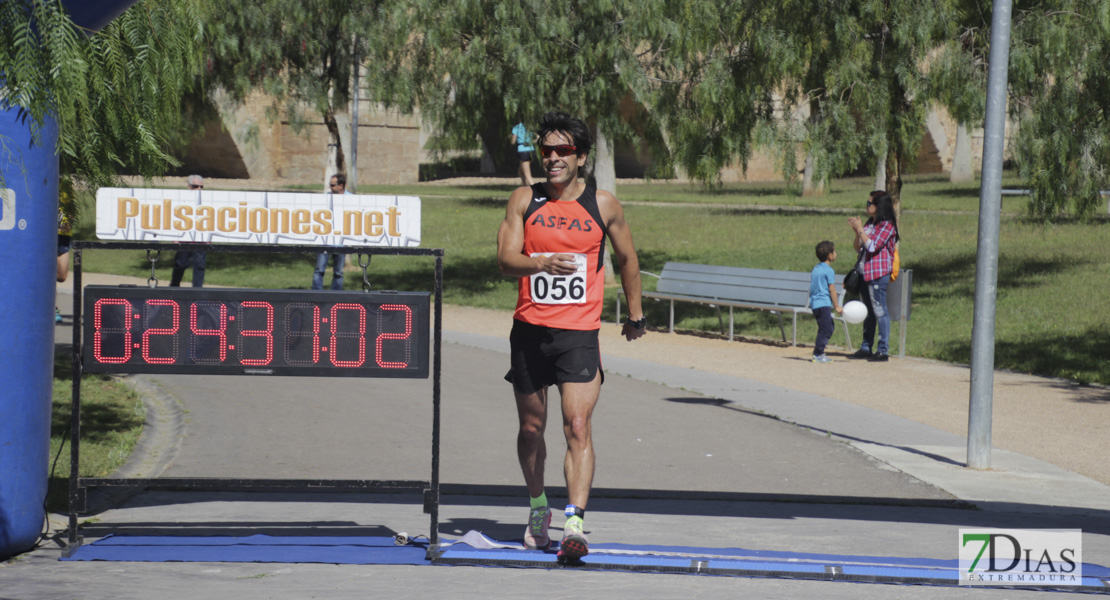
(687, 456)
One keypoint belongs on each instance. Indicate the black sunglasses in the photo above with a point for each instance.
(559, 150)
(195, 187)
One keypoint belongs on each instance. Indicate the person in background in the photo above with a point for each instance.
(878, 236)
(823, 298)
(338, 185)
(183, 258)
(66, 217)
(524, 147)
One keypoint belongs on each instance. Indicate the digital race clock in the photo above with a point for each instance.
(255, 332)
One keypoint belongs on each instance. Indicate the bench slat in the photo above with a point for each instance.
(747, 293)
(761, 289)
(676, 269)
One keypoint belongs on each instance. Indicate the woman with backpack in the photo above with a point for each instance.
(878, 238)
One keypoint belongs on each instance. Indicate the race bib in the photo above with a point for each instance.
(560, 289)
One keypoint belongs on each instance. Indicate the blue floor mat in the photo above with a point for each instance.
(475, 549)
(739, 562)
(337, 550)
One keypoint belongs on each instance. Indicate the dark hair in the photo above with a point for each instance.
(884, 210)
(564, 123)
(340, 179)
(824, 249)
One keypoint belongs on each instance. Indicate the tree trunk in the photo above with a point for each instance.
(880, 174)
(605, 175)
(894, 181)
(811, 187)
(962, 170)
(605, 172)
(495, 140)
(337, 162)
(485, 164)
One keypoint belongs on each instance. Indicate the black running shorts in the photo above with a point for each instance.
(543, 356)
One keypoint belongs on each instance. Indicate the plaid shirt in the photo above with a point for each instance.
(879, 260)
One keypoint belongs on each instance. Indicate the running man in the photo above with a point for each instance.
(552, 238)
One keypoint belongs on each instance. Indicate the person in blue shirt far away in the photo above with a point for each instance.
(823, 298)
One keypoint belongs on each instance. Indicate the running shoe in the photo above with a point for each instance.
(574, 545)
(821, 358)
(57, 315)
(535, 535)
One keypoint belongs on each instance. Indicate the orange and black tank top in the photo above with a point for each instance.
(553, 226)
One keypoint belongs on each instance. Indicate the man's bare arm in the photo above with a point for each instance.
(510, 244)
(625, 253)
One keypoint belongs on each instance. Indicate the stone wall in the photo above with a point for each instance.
(245, 143)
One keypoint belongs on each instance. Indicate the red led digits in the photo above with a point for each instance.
(174, 321)
(255, 332)
(200, 350)
(338, 332)
(99, 331)
(267, 333)
(296, 333)
(378, 351)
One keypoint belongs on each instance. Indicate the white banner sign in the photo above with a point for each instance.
(220, 217)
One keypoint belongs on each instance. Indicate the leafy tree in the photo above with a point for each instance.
(865, 77)
(1060, 98)
(959, 79)
(300, 52)
(717, 82)
(117, 95)
(476, 67)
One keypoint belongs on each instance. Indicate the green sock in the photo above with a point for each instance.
(540, 502)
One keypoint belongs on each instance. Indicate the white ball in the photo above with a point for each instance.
(855, 312)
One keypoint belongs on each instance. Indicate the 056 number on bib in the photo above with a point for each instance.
(560, 289)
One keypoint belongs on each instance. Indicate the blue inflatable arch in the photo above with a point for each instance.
(28, 251)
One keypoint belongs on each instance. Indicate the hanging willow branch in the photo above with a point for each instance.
(117, 95)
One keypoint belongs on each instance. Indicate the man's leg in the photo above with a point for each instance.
(338, 261)
(532, 452)
(578, 401)
(318, 272)
(531, 449)
(180, 262)
(578, 404)
(200, 262)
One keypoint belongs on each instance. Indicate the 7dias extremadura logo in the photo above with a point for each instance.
(1021, 557)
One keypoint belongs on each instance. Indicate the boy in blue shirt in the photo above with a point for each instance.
(823, 298)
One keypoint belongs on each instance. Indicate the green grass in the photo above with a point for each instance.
(1052, 308)
(111, 421)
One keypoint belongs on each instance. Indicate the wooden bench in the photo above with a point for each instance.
(778, 292)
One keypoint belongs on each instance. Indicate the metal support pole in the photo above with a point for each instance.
(75, 504)
(903, 312)
(986, 268)
(437, 344)
(352, 175)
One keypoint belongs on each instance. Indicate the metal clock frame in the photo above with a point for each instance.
(79, 486)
